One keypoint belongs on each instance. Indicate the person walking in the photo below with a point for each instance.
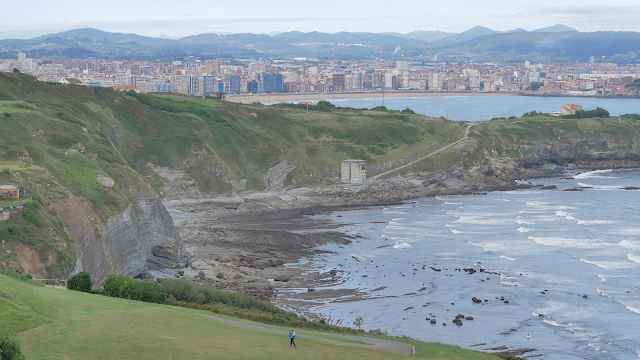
(292, 336)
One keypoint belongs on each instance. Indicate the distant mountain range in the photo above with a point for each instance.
(477, 43)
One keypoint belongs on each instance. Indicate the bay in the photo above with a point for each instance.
(477, 108)
(567, 262)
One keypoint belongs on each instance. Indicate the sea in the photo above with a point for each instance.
(557, 272)
(479, 108)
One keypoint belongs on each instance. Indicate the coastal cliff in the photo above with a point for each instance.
(81, 206)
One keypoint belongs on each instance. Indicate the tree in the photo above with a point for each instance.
(16, 70)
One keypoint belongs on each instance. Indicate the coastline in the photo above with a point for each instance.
(358, 95)
(271, 98)
(261, 248)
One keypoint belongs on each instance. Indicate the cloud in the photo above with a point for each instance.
(586, 17)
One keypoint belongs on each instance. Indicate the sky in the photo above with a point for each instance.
(177, 19)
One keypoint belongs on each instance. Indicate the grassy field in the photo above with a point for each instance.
(61, 324)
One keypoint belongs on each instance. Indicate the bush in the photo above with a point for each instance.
(185, 291)
(95, 289)
(80, 282)
(30, 216)
(408, 111)
(10, 349)
(7, 114)
(127, 288)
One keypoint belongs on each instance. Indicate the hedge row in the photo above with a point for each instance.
(127, 288)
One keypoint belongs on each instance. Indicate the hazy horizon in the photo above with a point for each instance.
(164, 18)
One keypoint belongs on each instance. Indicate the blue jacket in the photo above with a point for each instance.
(291, 336)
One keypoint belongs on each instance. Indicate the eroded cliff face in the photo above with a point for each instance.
(131, 242)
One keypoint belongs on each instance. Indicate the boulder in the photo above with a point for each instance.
(506, 301)
(237, 276)
(180, 272)
(433, 321)
(106, 181)
(201, 275)
(469, 318)
(281, 278)
(220, 275)
(584, 296)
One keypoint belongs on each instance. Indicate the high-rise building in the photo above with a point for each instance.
(234, 83)
(252, 87)
(338, 82)
(208, 85)
(193, 85)
(272, 82)
(21, 56)
(402, 65)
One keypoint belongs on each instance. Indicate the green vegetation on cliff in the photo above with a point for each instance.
(61, 139)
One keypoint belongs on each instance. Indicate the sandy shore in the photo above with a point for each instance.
(271, 98)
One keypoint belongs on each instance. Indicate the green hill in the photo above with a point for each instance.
(62, 324)
(59, 139)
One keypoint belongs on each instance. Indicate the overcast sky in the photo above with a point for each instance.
(177, 18)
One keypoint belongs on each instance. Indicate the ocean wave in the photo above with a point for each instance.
(629, 231)
(634, 258)
(525, 222)
(523, 230)
(597, 174)
(456, 231)
(479, 220)
(451, 203)
(602, 187)
(568, 242)
(548, 206)
(530, 212)
(607, 265)
(602, 277)
(507, 258)
(630, 244)
(401, 245)
(594, 222)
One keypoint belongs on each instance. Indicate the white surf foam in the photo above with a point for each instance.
(630, 244)
(607, 265)
(597, 174)
(451, 203)
(456, 231)
(602, 277)
(601, 187)
(629, 231)
(594, 222)
(523, 230)
(401, 245)
(525, 222)
(569, 243)
(634, 258)
(508, 258)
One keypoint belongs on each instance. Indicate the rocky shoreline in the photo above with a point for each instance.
(242, 243)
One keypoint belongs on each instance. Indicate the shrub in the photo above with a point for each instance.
(127, 288)
(95, 289)
(185, 291)
(30, 216)
(7, 114)
(10, 349)
(80, 282)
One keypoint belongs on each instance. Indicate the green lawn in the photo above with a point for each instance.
(61, 324)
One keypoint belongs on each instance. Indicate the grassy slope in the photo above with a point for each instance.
(61, 324)
(125, 135)
(514, 139)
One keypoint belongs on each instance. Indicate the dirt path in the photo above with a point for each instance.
(375, 343)
(466, 136)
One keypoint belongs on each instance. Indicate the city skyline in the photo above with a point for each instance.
(164, 18)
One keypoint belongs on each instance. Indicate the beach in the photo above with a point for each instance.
(358, 95)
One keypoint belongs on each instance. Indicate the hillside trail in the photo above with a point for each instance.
(466, 136)
(374, 343)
